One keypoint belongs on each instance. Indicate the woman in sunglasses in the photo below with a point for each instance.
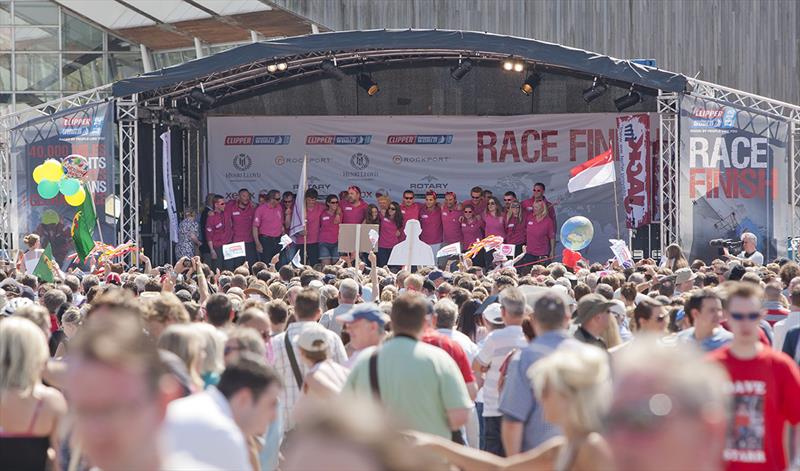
(329, 222)
(494, 221)
(515, 227)
(472, 231)
(391, 232)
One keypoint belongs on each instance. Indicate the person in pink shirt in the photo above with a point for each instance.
(540, 237)
(476, 200)
(494, 224)
(508, 198)
(309, 239)
(538, 195)
(268, 226)
(216, 232)
(391, 233)
(409, 208)
(515, 227)
(471, 232)
(430, 219)
(239, 215)
(354, 210)
(329, 221)
(451, 219)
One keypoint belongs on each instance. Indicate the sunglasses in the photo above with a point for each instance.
(467, 212)
(537, 191)
(508, 200)
(408, 197)
(740, 316)
(333, 202)
(476, 197)
(491, 202)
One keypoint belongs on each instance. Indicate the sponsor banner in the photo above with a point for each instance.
(87, 131)
(734, 177)
(390, 154)
(633, 144)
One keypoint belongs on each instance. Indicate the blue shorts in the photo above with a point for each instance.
(327, 250)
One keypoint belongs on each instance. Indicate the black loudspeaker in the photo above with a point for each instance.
(646, 242)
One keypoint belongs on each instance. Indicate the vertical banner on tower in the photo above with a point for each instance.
(87, 131)
(169, 190)
(734, 177)
(633, 144)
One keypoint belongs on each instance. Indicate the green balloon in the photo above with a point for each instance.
(69, 186)
(47, 189)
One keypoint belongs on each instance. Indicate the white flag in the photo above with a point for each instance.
(285, 241)
(447, 250)
(299, 211)
(296, 260)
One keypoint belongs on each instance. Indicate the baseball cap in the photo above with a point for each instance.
(680, 315)
(114, 279)
(367, 311)
(313, 338)
(492, 314)
(591, 305)
(683, 275)
(316, 284)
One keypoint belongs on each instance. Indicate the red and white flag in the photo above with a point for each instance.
(595, 172)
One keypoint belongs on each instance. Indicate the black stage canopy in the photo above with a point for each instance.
(362, 42)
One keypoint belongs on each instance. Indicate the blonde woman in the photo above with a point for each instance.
(573, 387)
(30, 412)
(27, 260)
(213, 361)
(188, 344)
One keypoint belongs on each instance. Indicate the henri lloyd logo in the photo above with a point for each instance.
(328, 140)
(429, 182)
(723, 118)
(359, 161)
(420, 139)
(242, 162)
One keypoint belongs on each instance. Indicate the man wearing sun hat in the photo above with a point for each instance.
(592, 319)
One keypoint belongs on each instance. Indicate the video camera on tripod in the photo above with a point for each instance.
(732, 245)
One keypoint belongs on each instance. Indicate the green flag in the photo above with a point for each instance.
(83, 226)
(43, 269)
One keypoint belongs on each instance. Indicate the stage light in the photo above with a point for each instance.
(190, 112)
(458, 72)
(518, 67)
(592, 93)
(626, 101)
(330, 68)
(202, 98)
(282, 66)
(508, 65)
(530, 83)
(272, 68)
(369, 85)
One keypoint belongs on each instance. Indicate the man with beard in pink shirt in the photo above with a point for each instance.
(354, 209)
(538, 195)
(430, 219)
(409, 207)
(239, 214)
(477, 201)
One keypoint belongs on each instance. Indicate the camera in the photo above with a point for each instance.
(731, 244)
(187, 263)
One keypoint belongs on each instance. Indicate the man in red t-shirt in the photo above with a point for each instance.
(765, 387)
(432, 337)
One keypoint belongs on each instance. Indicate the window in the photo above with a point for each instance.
(5, 71)
(123, 65)
(83, 71)
(35, 14)
(36, 72)
(36, 39)
(81, 36)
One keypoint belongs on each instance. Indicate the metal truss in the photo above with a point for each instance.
(127, 122)
(794, 177)
(668, 176)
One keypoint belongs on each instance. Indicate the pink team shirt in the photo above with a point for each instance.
(451, 226)
(215, 229)
(312, 224)
(410, 212)
(515, 231)
(494, 225)
(241, 221)
(431, 222)
(388, 238)
(328, 227)
(527, 206)
(353, 214)
(269, 220)
(538, 235)
(471, 232)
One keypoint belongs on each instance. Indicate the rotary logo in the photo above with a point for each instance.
(242, 162)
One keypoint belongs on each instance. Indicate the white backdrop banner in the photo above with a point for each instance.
(440, 153)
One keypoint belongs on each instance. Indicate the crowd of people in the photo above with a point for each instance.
(351, 364)
(529, 225)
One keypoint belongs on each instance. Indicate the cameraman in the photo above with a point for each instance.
(749, 251)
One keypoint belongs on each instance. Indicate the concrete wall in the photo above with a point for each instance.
(752, 45)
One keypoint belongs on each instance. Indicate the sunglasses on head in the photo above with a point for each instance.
(740, 316)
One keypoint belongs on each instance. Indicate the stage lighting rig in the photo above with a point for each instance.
(508, 65)
(530, 83)
(626, 101)
(277, 67)
(331, 69)
(369, 85)
(516, 66)
(203, 98)
(595, 91)
(190, 111)
(458, 72)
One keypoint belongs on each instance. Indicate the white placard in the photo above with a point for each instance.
(234, 250)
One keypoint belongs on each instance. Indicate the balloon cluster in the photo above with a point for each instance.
(65, 177)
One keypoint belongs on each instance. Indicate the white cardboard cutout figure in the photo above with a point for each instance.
(412, 251)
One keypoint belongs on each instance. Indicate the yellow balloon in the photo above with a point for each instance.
(77, 198)
(38, 174)
(52, 170)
